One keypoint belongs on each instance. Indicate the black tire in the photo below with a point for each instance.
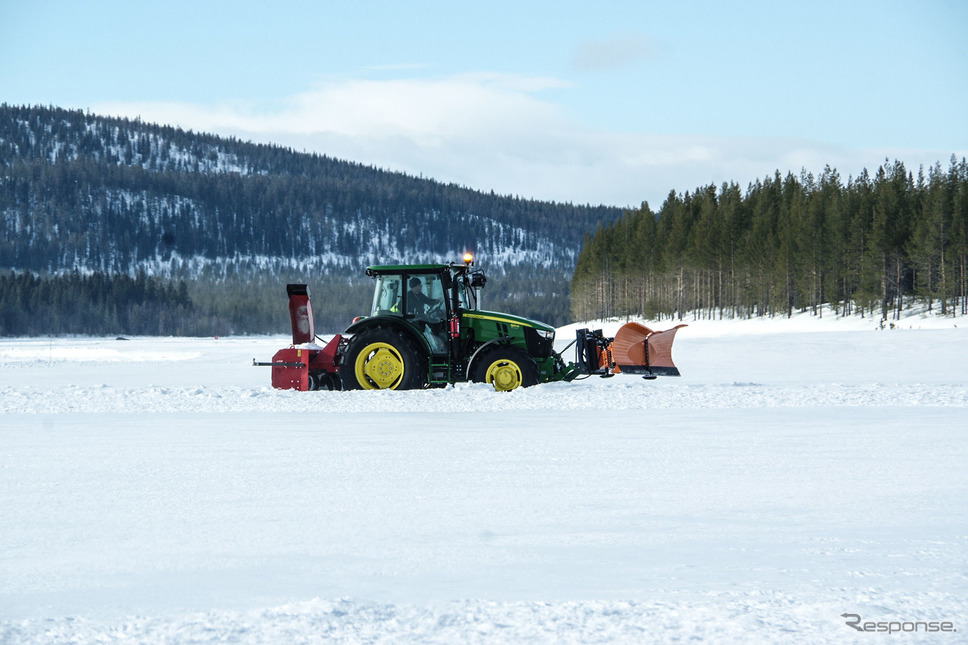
(506, 368)
(381, 359)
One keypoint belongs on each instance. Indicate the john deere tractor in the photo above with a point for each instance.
(425, 329)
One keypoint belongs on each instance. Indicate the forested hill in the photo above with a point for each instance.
(871, 244)
(80, 190)
(115, 196)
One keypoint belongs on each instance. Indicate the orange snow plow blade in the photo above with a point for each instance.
(640, 350)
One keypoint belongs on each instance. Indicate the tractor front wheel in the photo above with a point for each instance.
(382, 359)
(506, 368)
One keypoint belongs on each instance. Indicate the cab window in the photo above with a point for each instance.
(426, 300)
(387, 296)
(433, 287)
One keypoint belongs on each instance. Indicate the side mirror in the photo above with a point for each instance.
(478, 279)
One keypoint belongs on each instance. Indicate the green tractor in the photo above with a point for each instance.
(425, 330)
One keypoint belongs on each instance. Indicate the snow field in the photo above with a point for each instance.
(157, 490)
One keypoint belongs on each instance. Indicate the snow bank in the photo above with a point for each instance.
(827, 320)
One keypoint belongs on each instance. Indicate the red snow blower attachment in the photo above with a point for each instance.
(305, 365)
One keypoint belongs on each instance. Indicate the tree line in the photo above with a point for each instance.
(118, 304)
(869, 246)
(91, 304)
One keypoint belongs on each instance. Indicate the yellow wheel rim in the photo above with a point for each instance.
(504, 375)
(379, 367)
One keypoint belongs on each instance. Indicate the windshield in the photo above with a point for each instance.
(468, 295)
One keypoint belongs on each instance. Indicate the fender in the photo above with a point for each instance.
(391, 322)
(470, 361)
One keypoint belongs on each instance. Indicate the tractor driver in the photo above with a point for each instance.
(417, 302)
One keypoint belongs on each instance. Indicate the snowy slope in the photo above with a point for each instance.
(157, 490)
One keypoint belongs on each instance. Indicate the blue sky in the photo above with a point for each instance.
(612, 102)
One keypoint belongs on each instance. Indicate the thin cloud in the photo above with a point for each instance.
(615, 52)
(499, 132)
(397, 67)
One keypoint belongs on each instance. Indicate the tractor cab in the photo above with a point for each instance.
(403, 290)
(429, 298)
(409, 294)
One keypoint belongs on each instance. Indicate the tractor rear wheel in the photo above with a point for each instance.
(383, 359)
(506, 368)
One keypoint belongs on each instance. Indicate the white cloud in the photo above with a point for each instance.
(498, 132)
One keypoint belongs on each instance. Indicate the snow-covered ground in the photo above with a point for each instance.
(158, 490)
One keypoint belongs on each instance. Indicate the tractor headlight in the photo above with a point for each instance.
(540, 343)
